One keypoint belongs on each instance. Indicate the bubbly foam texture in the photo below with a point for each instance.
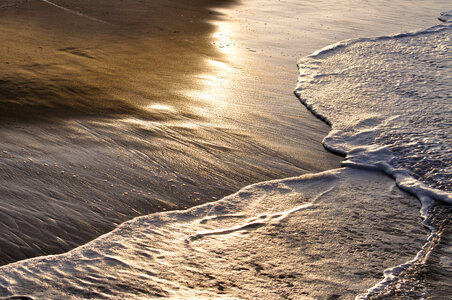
(388, 101)
(272, 240)
(241, 245)
(446, 16)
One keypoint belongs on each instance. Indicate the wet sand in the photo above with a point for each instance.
(84, 58)
(438, 269)
(432, 276)
(179, 123)
(322, 236)
(116, 109)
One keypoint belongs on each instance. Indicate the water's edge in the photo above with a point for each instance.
(426, 197)
(431, 199)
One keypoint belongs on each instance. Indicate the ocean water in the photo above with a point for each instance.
(291, 238)
(388, 102)
(331, 234)
(95, 130)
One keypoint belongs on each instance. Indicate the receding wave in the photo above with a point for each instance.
(388, 102)
(98, 127)
(273, 240)
(386, 99)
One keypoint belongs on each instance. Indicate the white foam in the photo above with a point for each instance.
(270, 239)
(315, 235)
(388, 102)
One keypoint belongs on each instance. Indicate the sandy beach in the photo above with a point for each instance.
(155, 118)
(106, 116)
(79, 58)
(297, 238)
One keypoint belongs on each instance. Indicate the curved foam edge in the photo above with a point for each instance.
(426, 195)
(303, 209)
(445, 17)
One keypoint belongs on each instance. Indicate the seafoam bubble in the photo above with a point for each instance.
(388, 102)
(387, 92)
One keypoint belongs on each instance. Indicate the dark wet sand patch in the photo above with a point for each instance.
(95, 127)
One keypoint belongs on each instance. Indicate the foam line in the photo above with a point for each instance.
(393, 124)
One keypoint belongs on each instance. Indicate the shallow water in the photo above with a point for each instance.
(103, 122)
(388, 100)
(315, 236)
(99, 173)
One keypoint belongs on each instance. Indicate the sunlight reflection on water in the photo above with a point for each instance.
(223, 38)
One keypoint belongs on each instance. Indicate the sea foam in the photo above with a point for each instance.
(315, 236)
(387, 100)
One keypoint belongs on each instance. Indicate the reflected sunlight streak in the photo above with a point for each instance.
(212, 89)
(223, 38)
(160, 107)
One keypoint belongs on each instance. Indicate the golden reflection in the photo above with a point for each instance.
(210, 90)
(160, 107)
(223, 39)
(220, 65)
(213, 88)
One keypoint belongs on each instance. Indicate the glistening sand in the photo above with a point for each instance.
(105, 117)
(263, 116)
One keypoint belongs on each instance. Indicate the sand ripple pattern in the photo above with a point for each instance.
(272, 240)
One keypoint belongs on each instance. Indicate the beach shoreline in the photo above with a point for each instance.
(106, 116)
(299, 156)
